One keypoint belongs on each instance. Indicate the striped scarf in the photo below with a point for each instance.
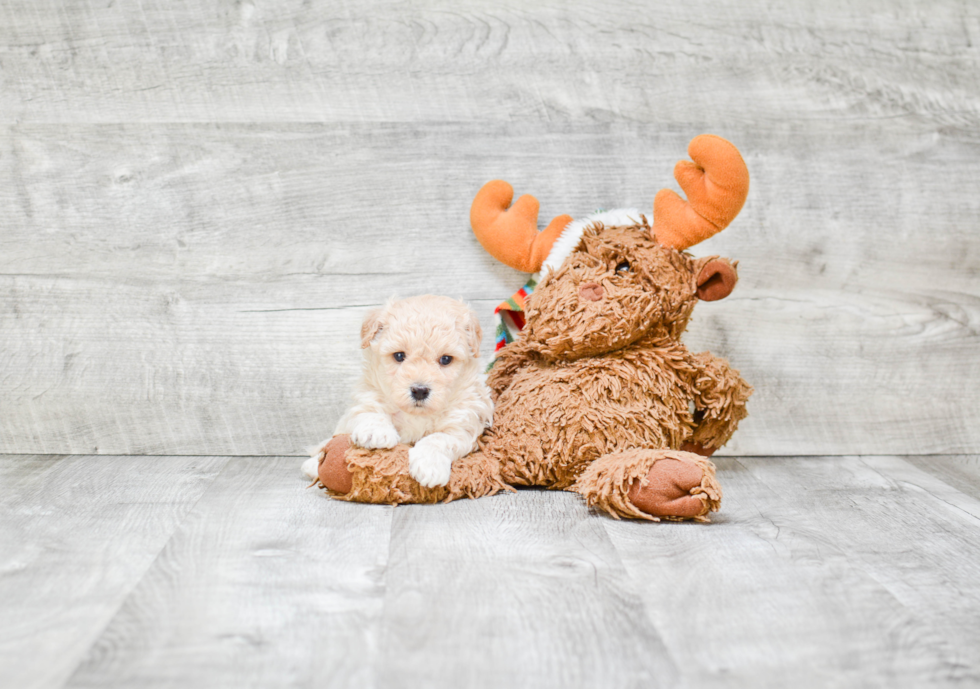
(510, 315)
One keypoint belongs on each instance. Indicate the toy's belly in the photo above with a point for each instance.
(550, 424)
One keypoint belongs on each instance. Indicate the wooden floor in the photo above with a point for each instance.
(199, 202)
(227, 572)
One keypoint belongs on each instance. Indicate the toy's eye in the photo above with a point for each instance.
(445, 360)
(399, 356)
(623, 267)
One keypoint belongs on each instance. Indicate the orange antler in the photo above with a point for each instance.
(511, 234)
(716, 184)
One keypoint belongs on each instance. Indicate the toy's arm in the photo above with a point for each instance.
(720, 394)
(510, 360)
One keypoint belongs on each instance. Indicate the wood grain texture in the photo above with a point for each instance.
(76, 534)
(872, 206)
(24, 470)
(910, 532)
(818, 571)
(517, 591)
(287, 60)
(962, 472)
(233, 329)
(97, 366)
(846, 571)
(264, 583)
(198, 202)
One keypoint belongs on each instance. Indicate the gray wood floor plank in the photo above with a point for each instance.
(770, 594)
(911, 476)
(513, 591)
(75, 537)
(490, 61)
(818, 571)
(19, 470)
(960, 471)
(916, 536)
(264, 584)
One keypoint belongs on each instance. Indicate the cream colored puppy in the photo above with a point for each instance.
(422, 385)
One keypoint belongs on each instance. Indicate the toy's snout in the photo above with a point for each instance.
(591, 291)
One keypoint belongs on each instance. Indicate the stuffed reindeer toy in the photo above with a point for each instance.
(597, 394)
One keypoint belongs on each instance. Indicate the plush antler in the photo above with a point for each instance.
(716, 184)
(511, 234)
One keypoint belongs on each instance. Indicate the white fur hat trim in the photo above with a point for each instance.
(572, 234)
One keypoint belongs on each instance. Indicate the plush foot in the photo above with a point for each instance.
(651, 484)
(676, 488)
(332, 465)
(355, 474)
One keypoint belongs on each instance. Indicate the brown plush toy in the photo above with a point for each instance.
(598, 395)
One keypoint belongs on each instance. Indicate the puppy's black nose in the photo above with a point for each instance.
(419, 392)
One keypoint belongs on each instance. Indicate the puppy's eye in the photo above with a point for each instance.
(445, 360)
(623, 267)
(399, 356)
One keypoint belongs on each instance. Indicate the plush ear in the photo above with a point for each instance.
(717, 279)
(371, 326)
(474, 333)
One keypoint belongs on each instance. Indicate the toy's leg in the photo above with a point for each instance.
(652, 484)
(381, 476)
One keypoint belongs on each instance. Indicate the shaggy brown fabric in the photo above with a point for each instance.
(698, 449)
(596, 397)
(651, 484)
(381, 476)
(595, 386)
(721, 398)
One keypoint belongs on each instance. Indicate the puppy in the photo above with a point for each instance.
(422, 385)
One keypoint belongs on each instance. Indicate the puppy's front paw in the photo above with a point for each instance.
(311, 466)
(375, 432)
(429, 467)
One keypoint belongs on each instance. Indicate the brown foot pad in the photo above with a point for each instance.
(667, 491)
(333, 471)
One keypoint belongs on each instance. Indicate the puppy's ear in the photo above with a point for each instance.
(473, 331)
(371, 326)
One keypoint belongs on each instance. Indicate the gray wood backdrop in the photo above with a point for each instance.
(199, 201)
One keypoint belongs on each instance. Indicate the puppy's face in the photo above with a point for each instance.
(421, 351)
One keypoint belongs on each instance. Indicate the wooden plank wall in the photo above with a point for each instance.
(199, 201)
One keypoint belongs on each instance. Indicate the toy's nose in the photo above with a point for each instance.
(419, 392)
(591, 291)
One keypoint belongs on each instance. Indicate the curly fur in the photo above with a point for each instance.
(590, 379)
(404, 343)
(383, 478)
(598, 390)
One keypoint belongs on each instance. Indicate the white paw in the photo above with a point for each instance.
(375, 433)
(429, 467)
(311, 467)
